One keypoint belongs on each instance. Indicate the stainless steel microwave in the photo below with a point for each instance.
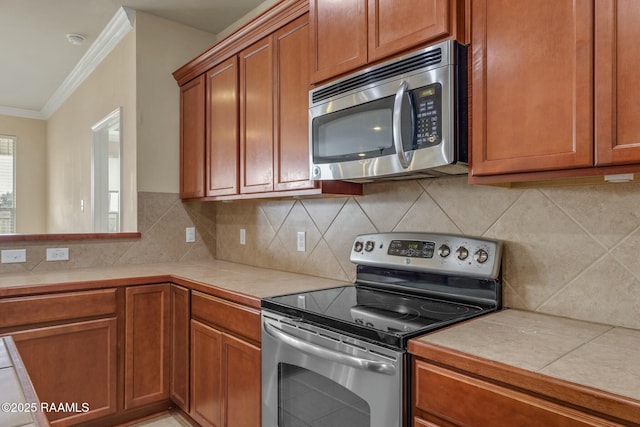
(405, 118)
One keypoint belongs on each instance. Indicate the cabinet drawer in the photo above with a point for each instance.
(227, 315)
(466, 400)
(56, 307)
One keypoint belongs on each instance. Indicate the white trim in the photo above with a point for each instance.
(119, 26)
(19, 112)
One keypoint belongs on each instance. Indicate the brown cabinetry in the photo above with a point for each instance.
(147, 344)
(192, 138)
(222, 150)
(254, 117)
(452, 388)
(179, 357)
(291, 121)
(346, 35)
(64, 340)
(225, 363)
(533, 106)
(500, 405)
(73, 363)
(617, 83)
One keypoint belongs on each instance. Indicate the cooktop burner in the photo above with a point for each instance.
(406, 284)
(376, 314)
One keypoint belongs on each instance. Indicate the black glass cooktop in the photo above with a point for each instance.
(377, 315)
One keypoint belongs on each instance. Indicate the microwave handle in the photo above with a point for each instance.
(404, 157)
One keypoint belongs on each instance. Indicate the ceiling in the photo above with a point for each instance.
(35, 56)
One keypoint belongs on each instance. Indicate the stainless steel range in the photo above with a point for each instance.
(337, 357)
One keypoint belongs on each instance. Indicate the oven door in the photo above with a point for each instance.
(315, 377)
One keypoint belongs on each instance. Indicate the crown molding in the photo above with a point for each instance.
(119, 26)
(20, 112)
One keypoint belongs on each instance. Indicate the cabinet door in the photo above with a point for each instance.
(617, 82)
(242, 382)
(222, 129)
(192, 98)
(256, 117)
(338, 37)
(532, 85)
(395, 26)
(206, 375)
(180, 319)
(292, 112)
(73, 363)
(147, 344)
(500, 406)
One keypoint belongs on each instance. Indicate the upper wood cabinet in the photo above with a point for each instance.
(256, 117)
(291, 122)
(222, 149)
(532, 79)
(192, 135)
(348, 34)
(244, 113)
(534, 113)
(617, 84)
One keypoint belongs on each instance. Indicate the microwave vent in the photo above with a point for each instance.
(422, 60)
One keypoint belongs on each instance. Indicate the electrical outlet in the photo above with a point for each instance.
(11, 256)
(301, 241)
(190, 234)
(243, 236)
(57, 254)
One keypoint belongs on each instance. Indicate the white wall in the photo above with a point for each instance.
(31, 170)
(111, 85)
(163, 46)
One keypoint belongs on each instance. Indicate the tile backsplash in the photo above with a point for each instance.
(162, 219)
(569, 251)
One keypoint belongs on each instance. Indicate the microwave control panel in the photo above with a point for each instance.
(428, 105)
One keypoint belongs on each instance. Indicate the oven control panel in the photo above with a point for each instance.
(430, 252)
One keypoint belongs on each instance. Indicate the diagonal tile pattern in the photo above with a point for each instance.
(569, 251)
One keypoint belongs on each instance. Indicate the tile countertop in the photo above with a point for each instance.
(590, 354)
(237, 282)
(20, 406)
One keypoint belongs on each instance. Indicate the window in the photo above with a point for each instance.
(7, 184)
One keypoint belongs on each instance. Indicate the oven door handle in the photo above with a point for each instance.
(404, 157)
(325, 353)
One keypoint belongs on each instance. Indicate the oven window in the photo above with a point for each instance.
(307, 399)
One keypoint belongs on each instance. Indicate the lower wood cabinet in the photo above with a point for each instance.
(147, 344)
(179, 357)
(448, 397)
(225, 378)
(225, 363)
(73, 364)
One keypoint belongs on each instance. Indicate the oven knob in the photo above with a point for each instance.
(481, 256)
(444, 251)
(357, 247)
(369, 246)
(462, 253)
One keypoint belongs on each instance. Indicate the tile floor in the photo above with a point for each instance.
(164, 420)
